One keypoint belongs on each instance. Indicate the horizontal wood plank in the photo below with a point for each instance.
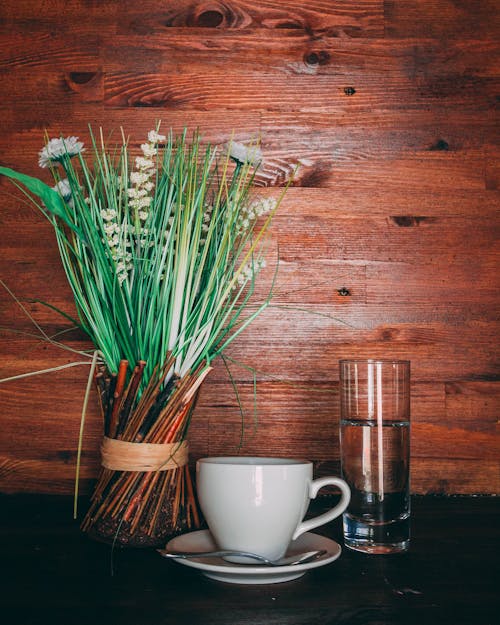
(291, 417)
(352, 18)
(288, 52)
(243, 91)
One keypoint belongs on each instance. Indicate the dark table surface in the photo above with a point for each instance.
(53, 574)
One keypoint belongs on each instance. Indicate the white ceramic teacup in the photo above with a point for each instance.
(257, 504)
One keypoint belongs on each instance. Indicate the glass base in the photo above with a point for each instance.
(376, 537)
(367, 547)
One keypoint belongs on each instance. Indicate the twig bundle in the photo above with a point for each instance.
(139, 507)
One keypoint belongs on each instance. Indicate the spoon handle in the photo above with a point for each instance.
(300, 558)
(213, 554)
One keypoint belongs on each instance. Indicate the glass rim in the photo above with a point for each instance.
(369, 361)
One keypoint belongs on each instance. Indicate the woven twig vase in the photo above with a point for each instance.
(144, 493)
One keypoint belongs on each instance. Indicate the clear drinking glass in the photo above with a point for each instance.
(375, 453)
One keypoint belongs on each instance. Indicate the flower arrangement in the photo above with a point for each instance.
(161, 252)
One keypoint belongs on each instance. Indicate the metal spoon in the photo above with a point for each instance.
(300, 558)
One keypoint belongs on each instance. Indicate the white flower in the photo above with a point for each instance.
(122, 277)
(257, 208)
(144, 163)
(141, 202)
(264, 206)
(245, 154)
(57, 149)
(108, 214)
(138, 177)
(63, 188)
(249, 271)
(111, 228)
(149, 149)
(260, 207)
(135, 192)
(154, 137)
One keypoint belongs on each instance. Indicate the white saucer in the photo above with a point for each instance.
(223, 571)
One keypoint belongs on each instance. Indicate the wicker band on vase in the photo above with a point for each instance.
(121, 455)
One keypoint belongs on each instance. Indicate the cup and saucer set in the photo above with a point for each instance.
(256, 505)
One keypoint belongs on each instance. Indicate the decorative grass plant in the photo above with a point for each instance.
(161, 251)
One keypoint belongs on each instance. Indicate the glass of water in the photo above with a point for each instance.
(375, 453)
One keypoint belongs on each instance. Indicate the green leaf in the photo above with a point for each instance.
(60, 312)
(51, 199)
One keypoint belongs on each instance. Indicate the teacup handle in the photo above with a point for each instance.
(326, 517)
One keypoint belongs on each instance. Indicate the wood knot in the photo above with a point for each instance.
(407, 221)
(214, 15)
(388, 334)
(87, 85)
(66, 455)
(317, 58)
(349, 90)
(343, 292)
(210, 19)
(440, 144)
(81, 78)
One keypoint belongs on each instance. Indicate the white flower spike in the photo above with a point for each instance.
(154, 137)
(57, 149)
(63, 187)
(140, 193)
(245, 154)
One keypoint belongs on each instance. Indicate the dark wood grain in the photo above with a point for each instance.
(388, 238)
(58, 576)
(440, 19)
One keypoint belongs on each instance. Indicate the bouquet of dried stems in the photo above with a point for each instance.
(161, 249)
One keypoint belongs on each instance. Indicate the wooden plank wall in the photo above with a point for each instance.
(391, 109)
